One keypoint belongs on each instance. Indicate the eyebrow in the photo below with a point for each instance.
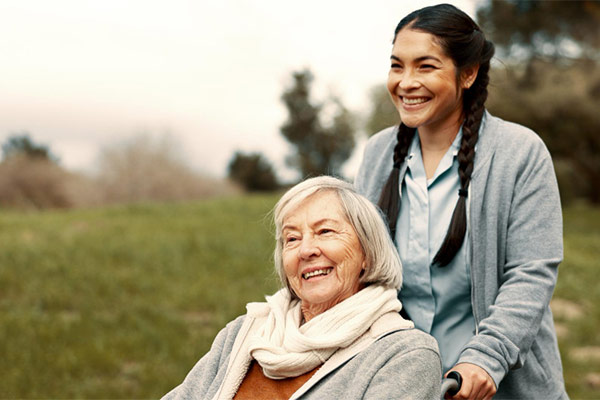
(316, 223)
(423, 58)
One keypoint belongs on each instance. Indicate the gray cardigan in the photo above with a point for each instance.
(515, 246)
(384, 363)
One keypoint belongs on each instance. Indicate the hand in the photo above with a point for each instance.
(476, 383)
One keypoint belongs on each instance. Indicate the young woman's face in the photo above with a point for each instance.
(422, 83)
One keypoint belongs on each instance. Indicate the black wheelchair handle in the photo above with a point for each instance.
(451, 384)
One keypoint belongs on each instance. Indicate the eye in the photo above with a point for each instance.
(289, 240)
(428, 67)
(396, 66)
(324, 231)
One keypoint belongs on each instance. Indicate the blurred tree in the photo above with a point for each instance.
(252, 171)
(534, 28)
(564, 111)
(20, 144)
(30, 176)
(320, 149)
(550, 81)
(146, 168)
(382, 113)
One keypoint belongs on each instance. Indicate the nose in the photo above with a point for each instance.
(309, 248)
(408, 80)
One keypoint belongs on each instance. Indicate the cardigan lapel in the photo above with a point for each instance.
(386, 324)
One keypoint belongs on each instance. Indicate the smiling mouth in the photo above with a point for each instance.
(318, 272)
(414, 101)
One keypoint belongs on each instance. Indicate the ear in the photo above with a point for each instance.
(468, 76)
(363, 268)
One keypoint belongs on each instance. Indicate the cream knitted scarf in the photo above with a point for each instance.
(285, 349)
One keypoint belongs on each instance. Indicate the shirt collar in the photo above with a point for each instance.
(456, 143)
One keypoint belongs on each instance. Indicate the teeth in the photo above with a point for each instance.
(414, 101)
(324, 271)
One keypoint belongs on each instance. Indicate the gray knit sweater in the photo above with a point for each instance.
(402, 364)
(515, 246)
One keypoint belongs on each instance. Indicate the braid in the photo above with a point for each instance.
(389, 200)
(463, 41)
(474, 100)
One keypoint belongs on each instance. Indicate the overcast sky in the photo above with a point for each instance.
(79, 75)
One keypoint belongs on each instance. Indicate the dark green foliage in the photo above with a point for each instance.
(21, 145)
(383, 113)
(252, 171)
(543, 27)
(564, 113)
(320, 149)
(551, 82)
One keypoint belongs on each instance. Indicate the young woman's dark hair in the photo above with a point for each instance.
(463, 41)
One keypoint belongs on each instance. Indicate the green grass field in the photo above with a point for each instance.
(121, 302)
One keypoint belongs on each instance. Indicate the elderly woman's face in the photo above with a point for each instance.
(322, 256)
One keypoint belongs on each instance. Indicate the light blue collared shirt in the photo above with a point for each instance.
(438, 299)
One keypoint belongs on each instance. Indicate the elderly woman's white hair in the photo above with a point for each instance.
(383, 264)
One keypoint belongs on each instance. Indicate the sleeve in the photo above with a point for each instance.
(411, 375)
(376, 164)
(360, 180)
(527, 274)
(206, 375)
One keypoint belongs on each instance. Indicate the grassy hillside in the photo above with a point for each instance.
(576, 303)
(121, 302)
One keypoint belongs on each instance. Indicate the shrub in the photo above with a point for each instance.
(38, 183)
(146, 169)
(252, 171)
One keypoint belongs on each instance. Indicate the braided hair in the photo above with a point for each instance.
(463, 41)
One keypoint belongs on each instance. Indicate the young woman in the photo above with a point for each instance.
(473, 205)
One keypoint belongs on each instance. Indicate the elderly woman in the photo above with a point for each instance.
(334, 330)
